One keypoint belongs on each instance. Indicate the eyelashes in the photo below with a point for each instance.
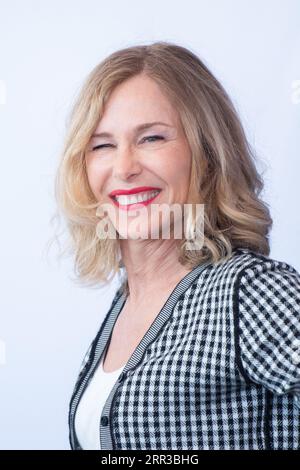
(156, 137)
(153, 137)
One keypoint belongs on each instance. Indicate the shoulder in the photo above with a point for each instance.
(267, 310)
(268, 293)
(242, 266)
(264, 277)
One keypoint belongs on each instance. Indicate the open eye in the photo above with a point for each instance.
(159, 137)
(155, 137)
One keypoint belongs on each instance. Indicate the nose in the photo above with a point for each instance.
(125, 164)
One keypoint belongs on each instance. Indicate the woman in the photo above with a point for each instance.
(200, 346)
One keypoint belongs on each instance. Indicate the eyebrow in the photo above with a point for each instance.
(138, 128)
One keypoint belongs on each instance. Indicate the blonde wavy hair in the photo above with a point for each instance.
(223, 173)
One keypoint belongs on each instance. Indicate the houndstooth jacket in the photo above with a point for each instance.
(219, 368)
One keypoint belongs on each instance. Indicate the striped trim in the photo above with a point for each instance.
(134, 360)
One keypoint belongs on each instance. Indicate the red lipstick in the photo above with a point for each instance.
(127, 207)
(140, 189)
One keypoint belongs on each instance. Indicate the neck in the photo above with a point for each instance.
(151, 266)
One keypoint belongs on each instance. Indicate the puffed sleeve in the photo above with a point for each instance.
(269, 325)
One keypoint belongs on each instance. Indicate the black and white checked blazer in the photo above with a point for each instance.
(219, 368)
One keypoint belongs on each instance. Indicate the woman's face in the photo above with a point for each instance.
(123, 156)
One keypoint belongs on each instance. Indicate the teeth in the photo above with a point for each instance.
(135, 198)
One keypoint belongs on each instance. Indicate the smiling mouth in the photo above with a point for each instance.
(127, 202)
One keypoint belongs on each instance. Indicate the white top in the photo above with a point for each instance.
(89, 410)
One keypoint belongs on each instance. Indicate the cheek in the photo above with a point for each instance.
(183, 169)
(175, 169)
(95, 177)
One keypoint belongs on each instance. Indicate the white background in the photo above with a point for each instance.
(46, 50)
